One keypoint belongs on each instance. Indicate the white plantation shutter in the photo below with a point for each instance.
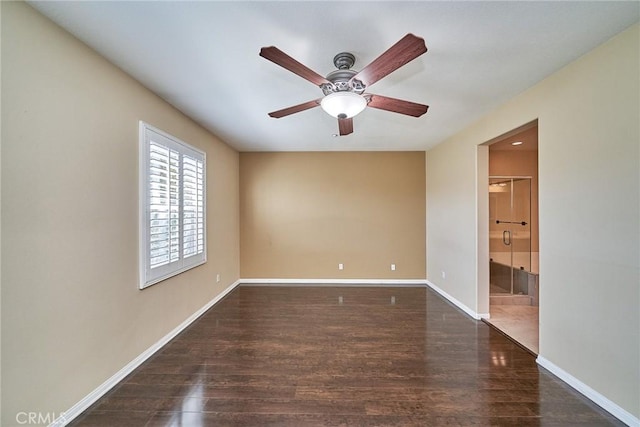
(164, 205)
(193, 206)
(172, 206)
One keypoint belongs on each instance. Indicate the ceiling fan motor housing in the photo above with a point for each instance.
(342, 78)
(344, 60)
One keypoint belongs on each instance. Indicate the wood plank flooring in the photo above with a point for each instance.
(340, 356)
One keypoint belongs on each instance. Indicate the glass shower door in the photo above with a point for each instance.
(509, 233)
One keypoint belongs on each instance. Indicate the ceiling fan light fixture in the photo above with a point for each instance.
(344, 104)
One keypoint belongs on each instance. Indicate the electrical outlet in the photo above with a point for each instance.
(340, 266)
(444, 275)
(393, 267)
(217, 277)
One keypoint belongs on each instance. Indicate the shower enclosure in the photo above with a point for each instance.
(510, 235)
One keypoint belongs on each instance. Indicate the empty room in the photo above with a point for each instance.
(320, 213)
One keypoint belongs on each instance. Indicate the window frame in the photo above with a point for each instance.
(147, 275)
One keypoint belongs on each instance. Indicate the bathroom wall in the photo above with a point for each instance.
(521, 160)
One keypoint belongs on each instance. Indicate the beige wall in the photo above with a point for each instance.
(589, 188)
(304, 213)
(72, 314)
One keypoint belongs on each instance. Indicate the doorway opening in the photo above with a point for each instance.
(513, 235)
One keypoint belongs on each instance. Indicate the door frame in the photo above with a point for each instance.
(482, 218)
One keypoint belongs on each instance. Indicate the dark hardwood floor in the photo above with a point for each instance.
(341, 356)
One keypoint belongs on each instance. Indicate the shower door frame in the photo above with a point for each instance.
(512, 179)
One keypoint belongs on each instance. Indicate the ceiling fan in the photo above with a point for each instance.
(344, 88)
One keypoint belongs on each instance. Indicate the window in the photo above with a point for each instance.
(172, 206)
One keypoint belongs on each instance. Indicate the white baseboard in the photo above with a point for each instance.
(337, 282)
(455, 302)
(581, 387)
(590, 393)
(363, 282)
(103, 388)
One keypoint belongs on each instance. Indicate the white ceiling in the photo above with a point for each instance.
(202, 57)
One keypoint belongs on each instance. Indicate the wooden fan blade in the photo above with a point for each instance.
(345, 126)
(277, 56)
(396, 105)
(295, 109)
(407, 49)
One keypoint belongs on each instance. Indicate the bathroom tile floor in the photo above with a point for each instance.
(520, 322)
